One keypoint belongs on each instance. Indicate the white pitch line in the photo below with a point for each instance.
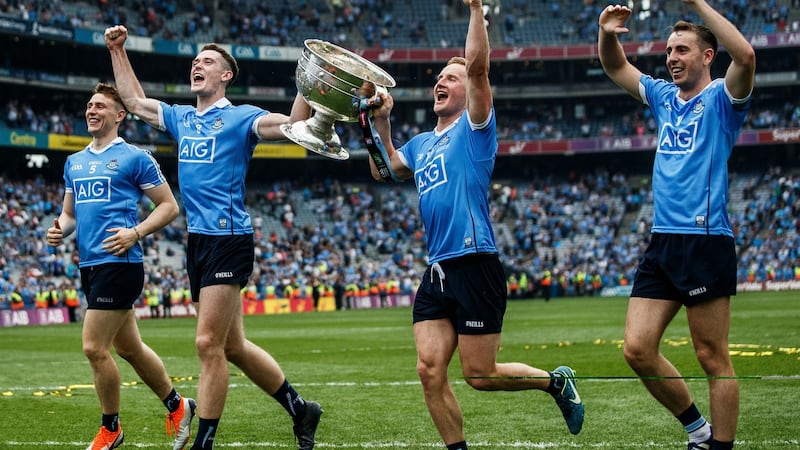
(369, 384)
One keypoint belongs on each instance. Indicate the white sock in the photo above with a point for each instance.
(701, 433)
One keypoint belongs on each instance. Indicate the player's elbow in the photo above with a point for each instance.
(747, 59)
(748, 56)
(376, 176)
(168, 211)
(132, 104)
(139, 107)
(172, 211)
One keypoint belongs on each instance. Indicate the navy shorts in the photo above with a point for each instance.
(687, 268)
(212, 260)
(112, 285)
(472, 294)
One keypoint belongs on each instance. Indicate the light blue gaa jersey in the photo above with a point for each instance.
(214, 151)
(452, 171)
(690, 171)
(106, 186)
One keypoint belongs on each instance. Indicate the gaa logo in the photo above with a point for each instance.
(94, 189)
(196, 150)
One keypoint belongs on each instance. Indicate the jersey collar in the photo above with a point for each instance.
(221, 103)
(116, 141)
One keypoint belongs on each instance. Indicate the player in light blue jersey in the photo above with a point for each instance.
(462, 299)
(215, 143)
(691, 258)
(103, 185)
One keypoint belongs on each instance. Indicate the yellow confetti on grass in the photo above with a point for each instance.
(751, 354)
(753, 346)
(743, 350)
(67, 391)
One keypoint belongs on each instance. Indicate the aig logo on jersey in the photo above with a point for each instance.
(95, 189)
(197, 149)
(431, 175)
(677, 139)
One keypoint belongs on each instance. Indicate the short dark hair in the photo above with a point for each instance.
(703, 33)
(234, 67)
(110, 91)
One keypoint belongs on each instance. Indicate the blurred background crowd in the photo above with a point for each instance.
(565, 226)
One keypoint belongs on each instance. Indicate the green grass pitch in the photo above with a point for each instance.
(360, 365)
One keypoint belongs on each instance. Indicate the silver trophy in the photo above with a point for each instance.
(333, 81)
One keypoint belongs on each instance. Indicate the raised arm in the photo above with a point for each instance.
(380, 116)
(476, 52)
(612, 56)
(127, 84)
(269, 125)
(740, 76)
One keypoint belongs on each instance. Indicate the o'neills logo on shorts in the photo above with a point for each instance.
(105, 300)
(223, 275)
(474, 323)
(698, 291)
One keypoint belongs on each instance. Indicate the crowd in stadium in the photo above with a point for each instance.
(557, 236)
(542, 121)
(249, 22)
(381, 22)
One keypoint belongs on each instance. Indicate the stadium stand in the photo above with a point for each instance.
(384, 23)
(582, 217)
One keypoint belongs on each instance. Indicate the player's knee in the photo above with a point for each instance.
(423, 371)
(480, 383)
(713, 361)
(94, 352)
(235, 353)
(429, 375)
(207, 347)
(125, 353)
(481, 376)
(636, 355)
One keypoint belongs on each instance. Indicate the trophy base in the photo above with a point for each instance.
(299, 133)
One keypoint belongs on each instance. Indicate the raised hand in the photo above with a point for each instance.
(115, 36)
(613, 18)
